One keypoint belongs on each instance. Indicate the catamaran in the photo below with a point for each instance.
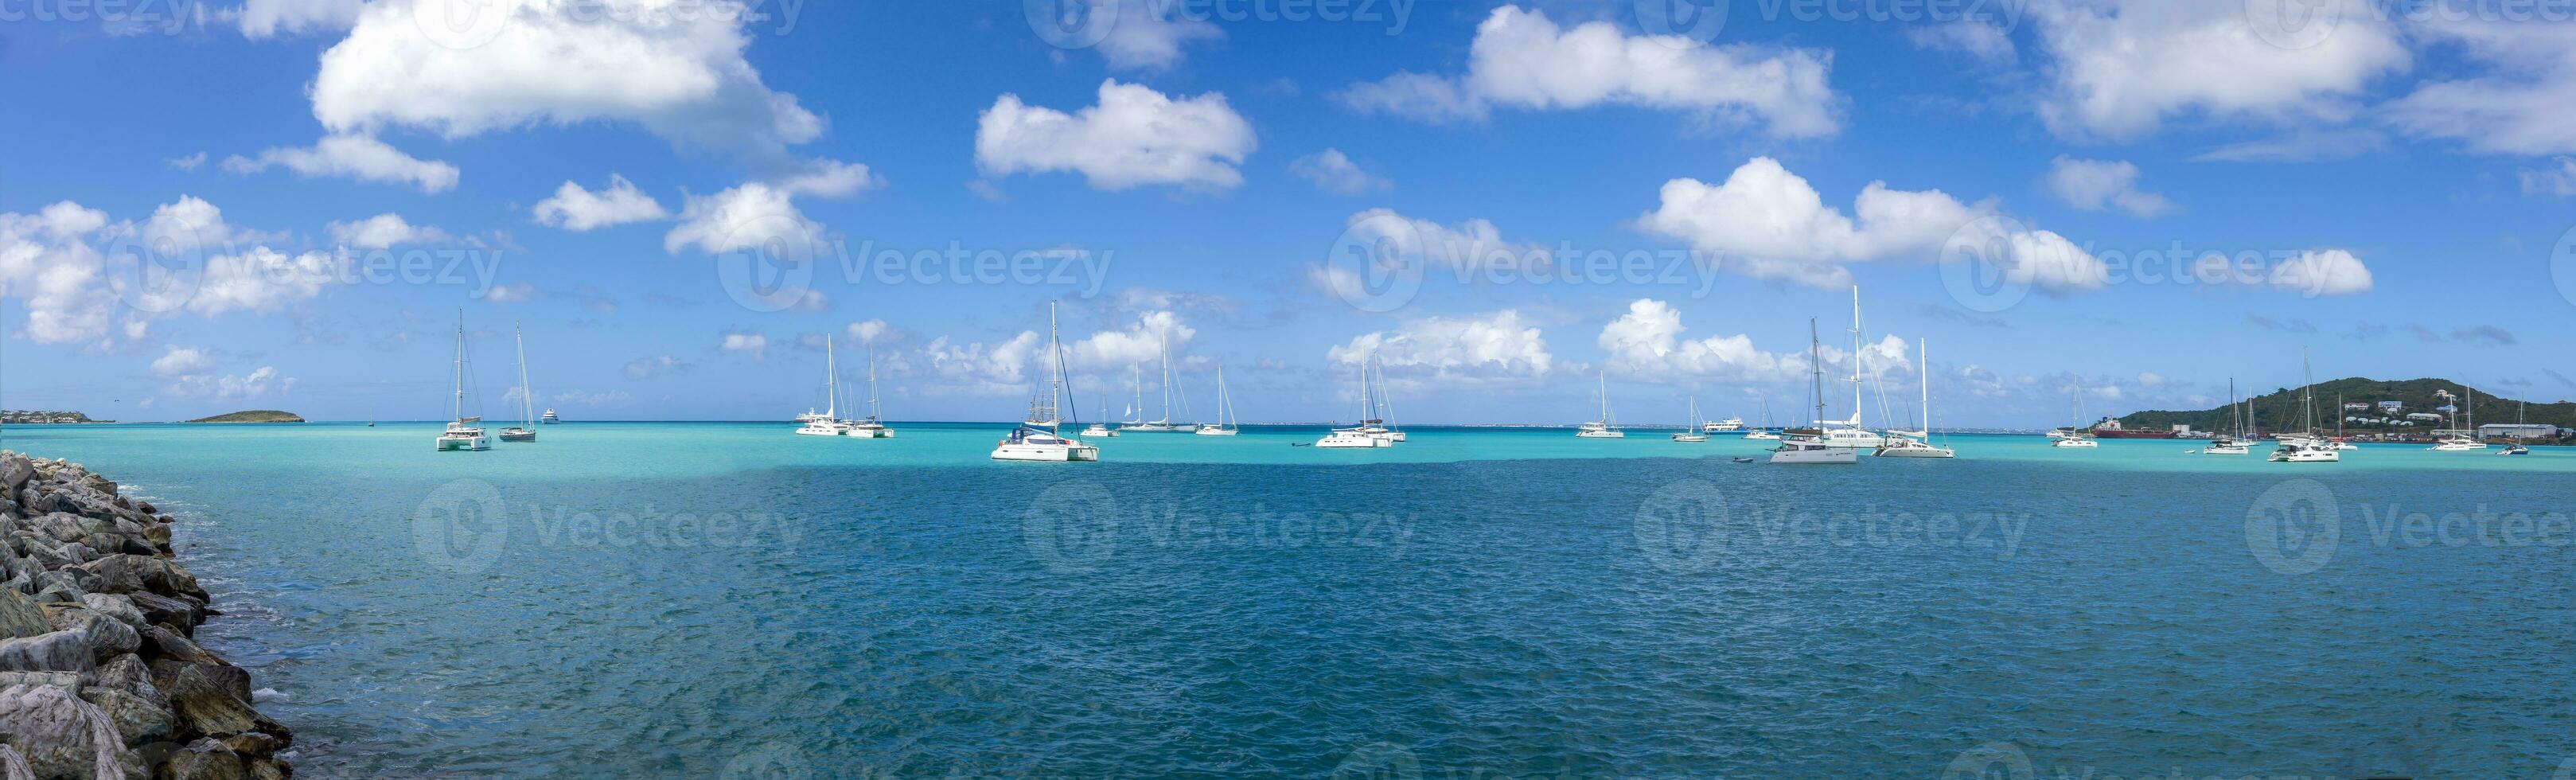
(829, 422)
(1809, 449)
(1692, 432)
(1382, 423)
(1763, 433)
(1225, 421)
(2232, 442)
(1601, 429)
(1165, 424)
(1039, 438)
(2307, 446)
(2074, 437)
(526, 430)
(2464, 439)
(465, 433)
(1848, 433)
(873, 427)
(1918, 444)
(1371, 432)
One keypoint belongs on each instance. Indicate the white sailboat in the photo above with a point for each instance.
(1809, 449)
(1601, 429)
(1850, 433)
(1225, 421)
(1381, 424)
(1763, 432)
(2463, 439)
(1165, 424)
(526, 430)
(1100, 429)
(2074, 437)
(465, 433)
(829, 422)
(873, 427)
(2307, 446)
(1369, 433)
(1918, 444)
(2232, 442)
(1040, 438)
(1694, 431)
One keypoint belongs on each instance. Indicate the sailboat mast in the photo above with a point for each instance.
(527, 405)
(1165, 339)
(831, 381)
(1855, 375)
(460, 364)
(1816, 361)
(872, 383)
(1055, 378)
(1923, 363)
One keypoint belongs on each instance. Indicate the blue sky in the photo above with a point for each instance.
(2395, 185)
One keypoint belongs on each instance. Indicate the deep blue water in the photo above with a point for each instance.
(1471, 604)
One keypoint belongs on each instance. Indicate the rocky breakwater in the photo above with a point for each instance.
(98, 675)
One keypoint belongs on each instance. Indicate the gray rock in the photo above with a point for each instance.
(139, 573)
(20, 617)
(160, 643)
(204, 706)
(14, 470)
(159, 609)
(138, 720)
(128, 673)
(60, 651)
(114, 606)
(110, 637)
(60, 734)
(205, 759)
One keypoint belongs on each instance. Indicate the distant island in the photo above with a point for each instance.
(253, 416)
(17, 417)
(2408, 407)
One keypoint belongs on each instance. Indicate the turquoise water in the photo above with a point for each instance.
(702, 599)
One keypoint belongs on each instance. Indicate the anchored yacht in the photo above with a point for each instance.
(1038, 439)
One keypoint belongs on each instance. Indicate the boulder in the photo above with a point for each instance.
(122, 573)
(115, 606)
(128, 673)
(14, 470)
(252, 744)
(159, 609)
(20, 617)
(60, 651)
(205, 759)
(204, 706)
(138, 720)
(160, 643)
(60, 734)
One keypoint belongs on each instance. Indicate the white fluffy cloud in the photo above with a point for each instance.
(2094, 185)
(2123, 67)
(754, 215)
(1140, 343)
(1133, 137)
(47, 262)
(1771, 224)
(1521, 59)
(384, 230)
(1495, 348)
(1004, 368)
(576, 209)
(1976, 38)
(1473, 244)
(74, 268)
(181, 360)
(753, 344)
(515, 63)
(259, 382)
(1647, 343)
(1332, 171)
(2326, 272)
(351, 156)
(267, 18)
(871, 332)
(2558, 179)
(1148, 34)
(2525, 103)
(264, 279)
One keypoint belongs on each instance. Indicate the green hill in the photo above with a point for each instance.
(253, 416)
(2280, 408)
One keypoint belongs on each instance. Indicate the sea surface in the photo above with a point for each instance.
(729, 599)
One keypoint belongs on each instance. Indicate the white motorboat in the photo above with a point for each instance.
(526, 430)
(1694, 430)
(1728, 425)
(1341, 439)
(1038, 439)
(1225, 422)
(2515, 449)
(465, 433)
(829, 422)
(1919, 443)
(2077, 443)
(1600, 429)
(549, 418)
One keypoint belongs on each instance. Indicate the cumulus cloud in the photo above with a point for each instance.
(382, 231)
(262, 279)
(1648, 344)
(2558, 179)
(517, 63)
(577, 209)
(1145, 34)
(47, 262)
(753, 344)
(259, 382)
(1003, 368)
(1771, 224)
(2318, 273)
(73, 268)
(744, 217)
(181, 360)
(2094, 185)
(1981, 40)
(1500, 347)
(1133, 137)
(2121, 68)
(656, 365)
(1334, 172)
(351, 156)
(1521, 59)
(1140, 343)
(268, 18)
(2523, 103)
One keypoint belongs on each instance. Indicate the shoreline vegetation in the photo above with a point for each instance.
(99, 676)
(252, 416)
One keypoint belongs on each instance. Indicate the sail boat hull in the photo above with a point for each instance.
(1214, 431)
(518, 435)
